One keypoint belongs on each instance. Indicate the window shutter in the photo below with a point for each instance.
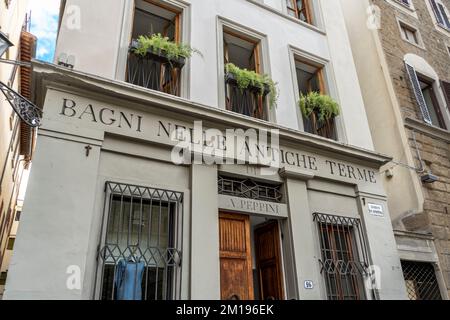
(437, 13)
(418, 93)
(446, 89)
(444, 15)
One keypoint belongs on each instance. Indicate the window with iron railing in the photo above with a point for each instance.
(155, 70)
(344, 258)
(140, 253)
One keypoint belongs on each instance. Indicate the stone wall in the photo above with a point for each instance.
(432, 143)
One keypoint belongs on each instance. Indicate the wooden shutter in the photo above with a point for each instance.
(418, 93)
(236, 277)
(437, 12)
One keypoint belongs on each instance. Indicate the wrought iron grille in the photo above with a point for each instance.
(140, 253)
(247, 188)
(344, 257)
(154, 71)
(250, 101)
(420, 280)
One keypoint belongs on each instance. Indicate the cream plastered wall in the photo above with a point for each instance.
(100, 43)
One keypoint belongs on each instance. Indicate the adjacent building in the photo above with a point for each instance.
(402, 55)
(107, 195)
(16, 138)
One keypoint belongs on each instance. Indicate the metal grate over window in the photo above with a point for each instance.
(344, 258)
(247, 188)
(420, 280)
(140, 251)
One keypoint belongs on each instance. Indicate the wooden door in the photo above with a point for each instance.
(268, 261)
(236, 279)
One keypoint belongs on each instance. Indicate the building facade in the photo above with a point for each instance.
(402, 54)
(108, 195)
(16, 139)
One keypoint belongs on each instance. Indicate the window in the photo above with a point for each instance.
(441, 13)
(404, 2)
(410, 34)
(310, 78)
(3, 277)
(142, 240)
(300, 9)
(245, 53)
(11, 242)
(155, 71)
(420, 280)
(426, 98)
(344, 259)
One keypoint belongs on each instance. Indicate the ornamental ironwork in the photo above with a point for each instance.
(250, 189)
(26, 110)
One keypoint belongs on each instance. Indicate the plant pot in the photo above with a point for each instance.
(159, 55)
(230, 79)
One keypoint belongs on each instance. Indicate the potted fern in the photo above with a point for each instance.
(320, 110)
(162, 49)
(245, 79)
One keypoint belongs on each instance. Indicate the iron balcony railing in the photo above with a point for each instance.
(250, 101)
(421, 282)
(325, 128)
(154, 71)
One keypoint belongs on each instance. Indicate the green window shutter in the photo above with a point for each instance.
(418, 93)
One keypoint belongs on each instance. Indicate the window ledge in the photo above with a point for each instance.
(432, 131)
(283, 15)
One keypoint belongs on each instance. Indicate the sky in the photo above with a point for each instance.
(44, 25)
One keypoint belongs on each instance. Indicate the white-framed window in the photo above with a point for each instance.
(441, 14)
(311, 73)
(406, 6)
(170, 18)
(410, 34)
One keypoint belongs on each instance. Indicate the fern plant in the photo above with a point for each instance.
(157, 42)
(246, 78)
(323, 105)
